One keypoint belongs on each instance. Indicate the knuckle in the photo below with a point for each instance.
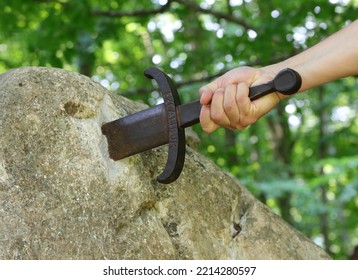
(229, 106)
(217, 116)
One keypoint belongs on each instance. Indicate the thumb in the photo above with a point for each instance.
(206, 92)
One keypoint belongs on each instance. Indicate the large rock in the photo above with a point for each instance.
(62, 197)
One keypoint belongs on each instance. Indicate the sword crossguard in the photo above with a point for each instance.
(176, 134)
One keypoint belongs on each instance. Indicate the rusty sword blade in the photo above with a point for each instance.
(146, 129)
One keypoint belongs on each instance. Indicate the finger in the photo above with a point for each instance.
(217, 110)
(207, 124)
(206, 92)
(247, 108)
(243, 100)
(230, 106)
(251, 111)
(206, 96)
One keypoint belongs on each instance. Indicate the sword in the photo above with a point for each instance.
(166, 122)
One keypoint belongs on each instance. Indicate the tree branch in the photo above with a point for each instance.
(137, 13)
(179, 84)
(218, 14)
(166, 7)
(208, 78)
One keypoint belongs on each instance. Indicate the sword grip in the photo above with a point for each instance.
(287, 82)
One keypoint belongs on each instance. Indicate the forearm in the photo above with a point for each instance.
(331, 59)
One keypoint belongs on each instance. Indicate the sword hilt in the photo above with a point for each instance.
(166, 123)
(287, 82)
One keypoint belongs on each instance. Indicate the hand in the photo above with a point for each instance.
(226, 101)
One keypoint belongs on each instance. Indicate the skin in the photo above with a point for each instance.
(225, 100)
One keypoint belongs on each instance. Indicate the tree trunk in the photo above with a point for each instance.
(323, 117)
(283, 145)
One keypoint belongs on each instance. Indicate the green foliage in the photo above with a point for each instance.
(301, 159)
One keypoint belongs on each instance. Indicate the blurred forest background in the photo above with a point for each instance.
(301, 159)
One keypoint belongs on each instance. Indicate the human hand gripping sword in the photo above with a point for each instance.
(166, 122)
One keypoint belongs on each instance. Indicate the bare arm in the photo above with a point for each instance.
(331, 59)
(226, 101)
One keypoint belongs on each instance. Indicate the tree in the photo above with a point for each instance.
(301, 159)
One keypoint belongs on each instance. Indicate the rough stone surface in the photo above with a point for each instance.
(61, 197)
